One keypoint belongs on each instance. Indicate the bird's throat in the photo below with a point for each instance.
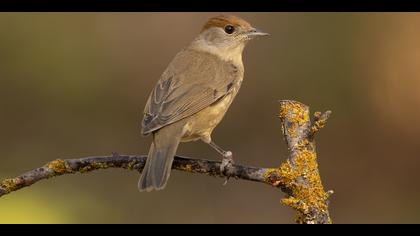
(227, 53)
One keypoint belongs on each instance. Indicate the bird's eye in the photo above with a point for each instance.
(229, 29)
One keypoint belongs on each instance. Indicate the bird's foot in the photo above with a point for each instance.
(227, 164)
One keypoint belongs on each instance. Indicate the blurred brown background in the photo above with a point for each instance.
(75, 84)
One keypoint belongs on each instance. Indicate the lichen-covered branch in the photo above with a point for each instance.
(131, 162)
(298, 177)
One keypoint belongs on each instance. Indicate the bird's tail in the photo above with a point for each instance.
(158, 166)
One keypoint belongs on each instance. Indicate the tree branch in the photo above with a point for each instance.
(131, 162)
(298, 177)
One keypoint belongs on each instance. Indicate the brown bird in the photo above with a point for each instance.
(193, 94)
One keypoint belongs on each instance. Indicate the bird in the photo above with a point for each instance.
(193, 94)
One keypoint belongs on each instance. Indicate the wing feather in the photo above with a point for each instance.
(193, 81)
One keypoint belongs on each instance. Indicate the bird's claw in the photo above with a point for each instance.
(226, 165)
(228, 155)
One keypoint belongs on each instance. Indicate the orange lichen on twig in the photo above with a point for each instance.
(299, 175)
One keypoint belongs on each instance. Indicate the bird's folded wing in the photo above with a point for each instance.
(193, 81)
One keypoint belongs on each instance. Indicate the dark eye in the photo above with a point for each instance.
(229, 29)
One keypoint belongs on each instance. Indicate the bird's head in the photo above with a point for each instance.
(226, 34)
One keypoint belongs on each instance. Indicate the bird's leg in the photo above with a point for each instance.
(225, 154)
(227, 161)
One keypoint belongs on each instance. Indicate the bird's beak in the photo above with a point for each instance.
(256, 33)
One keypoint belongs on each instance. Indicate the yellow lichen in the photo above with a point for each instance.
(94, 166)
(272, 176)
(308, 193)
(187, 168)
(296, 114)
(9, 185)
(131, 165)
(59, 167)
(283, 111)
(319, 124)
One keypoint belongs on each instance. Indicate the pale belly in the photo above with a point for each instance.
(200, 125)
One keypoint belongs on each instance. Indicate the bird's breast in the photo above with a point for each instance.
(202, 123)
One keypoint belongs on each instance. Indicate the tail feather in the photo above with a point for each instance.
(158, 166)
